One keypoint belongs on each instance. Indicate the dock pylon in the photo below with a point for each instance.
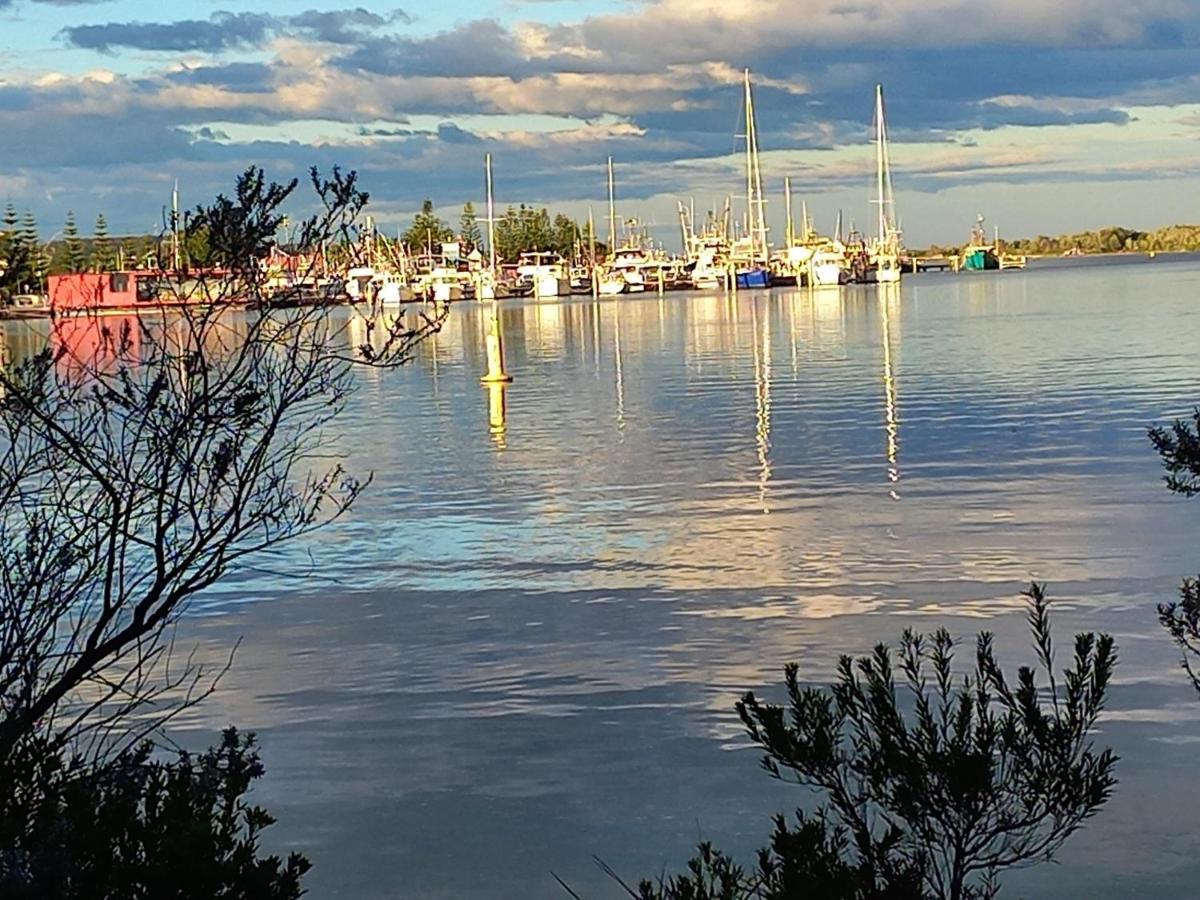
(496, 373)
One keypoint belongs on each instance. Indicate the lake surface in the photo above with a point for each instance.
(523, 646)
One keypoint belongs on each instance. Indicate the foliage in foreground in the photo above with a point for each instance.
(141, 463)
(139, 827)
(1179, 448)
(933, 785)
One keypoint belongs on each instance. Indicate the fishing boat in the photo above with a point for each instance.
(750, 254)
(827, 266)
(706, 253)
(885, 253)
(979, 255)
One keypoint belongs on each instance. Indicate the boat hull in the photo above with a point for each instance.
(980, 261)
(753, 278)
(826, 275)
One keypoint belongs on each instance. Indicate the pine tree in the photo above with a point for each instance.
(33, 258)
(75, 258)
(102, 250)
(9, 232)
(468, 228)
(12, 252)
(566, 235)
(427, 230)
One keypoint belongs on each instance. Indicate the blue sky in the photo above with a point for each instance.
(1046, 117)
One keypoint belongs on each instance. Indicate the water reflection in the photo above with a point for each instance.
(565, 696)
(617, 307)
(497, 412)
(888, 296)
(762, 399)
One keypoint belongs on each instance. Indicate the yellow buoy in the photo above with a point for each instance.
(495, 355)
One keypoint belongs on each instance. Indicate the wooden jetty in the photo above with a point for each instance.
(934, 263)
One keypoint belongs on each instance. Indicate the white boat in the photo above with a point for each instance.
(708, 271)
(706, 255)
(826, 267)
(382, 286)
(543, 274)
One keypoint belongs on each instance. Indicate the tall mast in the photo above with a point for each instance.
(748, 103)
(491, 213)
(807, 230)
(787, 199)
(591, 238)
(760, 214)
(882, 212)
(885, 196)
(612, 212)
(756, 220)
(175, 226)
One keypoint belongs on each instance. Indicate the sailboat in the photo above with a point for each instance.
(886, 252)
(750, 253)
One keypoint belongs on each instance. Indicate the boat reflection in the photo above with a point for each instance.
(762, 397)
(888, 295)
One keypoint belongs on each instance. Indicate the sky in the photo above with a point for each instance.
(1043, 116)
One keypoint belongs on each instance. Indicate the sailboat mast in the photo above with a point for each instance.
(759, 215)
(748, 103)
(879, 164)
(787, 200)
(491, 213)
(612, 211)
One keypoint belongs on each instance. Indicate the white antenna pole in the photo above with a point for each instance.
(175, 226)
(491, 213)
(787, 199)
(612, 211)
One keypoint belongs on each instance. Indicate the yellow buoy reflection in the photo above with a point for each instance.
(497, 412)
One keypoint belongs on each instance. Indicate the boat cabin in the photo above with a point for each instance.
(112, 291)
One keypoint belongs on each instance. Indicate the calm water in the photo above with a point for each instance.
(523, 647)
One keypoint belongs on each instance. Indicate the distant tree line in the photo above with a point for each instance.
(1171, 238)
(26, 261)
(520, 229)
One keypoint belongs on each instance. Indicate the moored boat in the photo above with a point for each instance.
(979, 255)
(543, 274)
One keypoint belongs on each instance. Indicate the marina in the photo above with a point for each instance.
(723, 252)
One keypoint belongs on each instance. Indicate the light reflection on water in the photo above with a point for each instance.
(523, 645)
